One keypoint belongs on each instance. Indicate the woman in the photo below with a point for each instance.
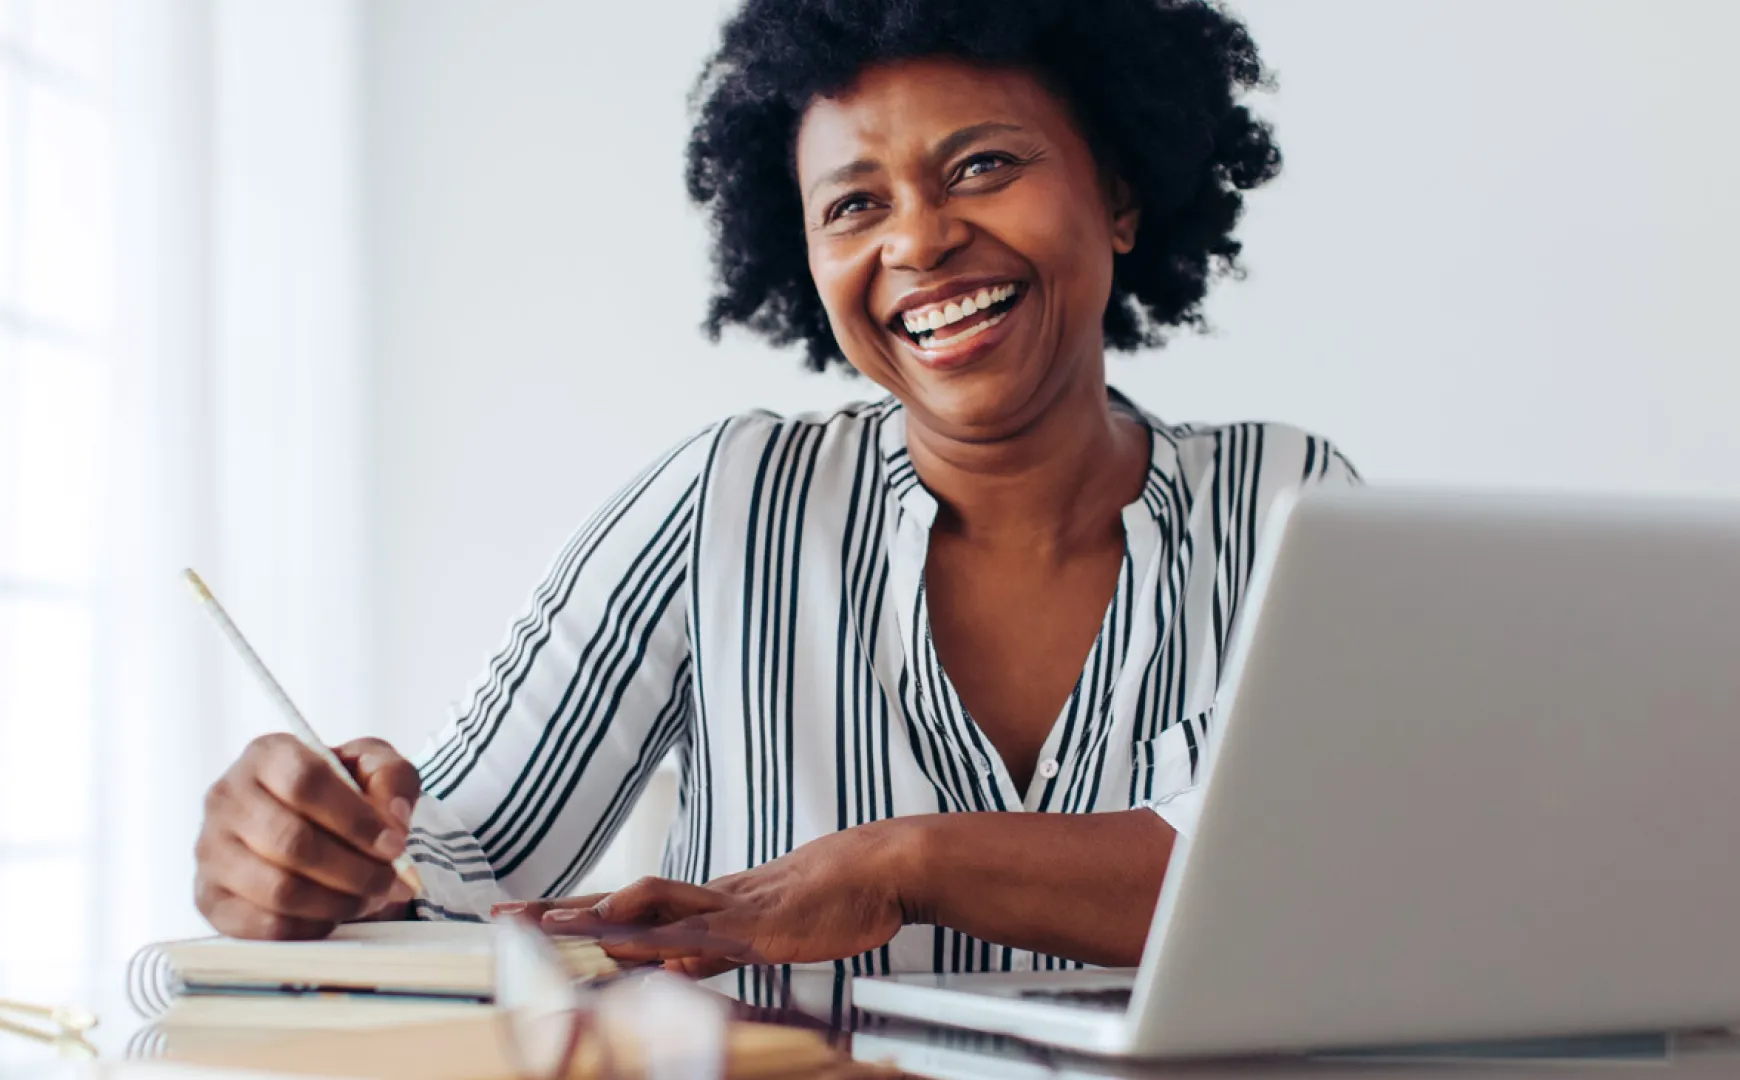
(870, 636)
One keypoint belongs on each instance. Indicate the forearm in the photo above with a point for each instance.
(1077, 885)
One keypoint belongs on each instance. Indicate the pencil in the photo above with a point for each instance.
(299, 726)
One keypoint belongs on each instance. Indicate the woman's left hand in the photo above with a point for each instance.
(834, 897)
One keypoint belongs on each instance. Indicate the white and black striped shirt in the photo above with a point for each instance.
(755, 602)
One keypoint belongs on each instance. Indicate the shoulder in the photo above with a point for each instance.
(757, 425)
(744, 449)
(1228, 480)
(1269, 455)
(748, 436)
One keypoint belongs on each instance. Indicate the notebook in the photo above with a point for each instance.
(361, 967)
(472, 1050)
(324, 1009)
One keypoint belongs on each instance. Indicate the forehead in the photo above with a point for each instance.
(903, 107)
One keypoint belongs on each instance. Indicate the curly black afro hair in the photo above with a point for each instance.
(1154, 84)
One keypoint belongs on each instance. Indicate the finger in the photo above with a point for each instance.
(274, 889)
(536, 909)
(655, 900)
(278, 835)
(235, 917)
(306, 783)
(279, 890)
(702, 967)
(691, 938)
(390, 781)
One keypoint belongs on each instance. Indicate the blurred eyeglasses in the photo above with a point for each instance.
(61, 1026)
(638, 1025)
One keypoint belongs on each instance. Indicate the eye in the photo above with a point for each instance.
(851, 204)
(982, 164)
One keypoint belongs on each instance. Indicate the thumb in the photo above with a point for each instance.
(388, 780)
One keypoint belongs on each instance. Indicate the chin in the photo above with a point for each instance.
(977, 407)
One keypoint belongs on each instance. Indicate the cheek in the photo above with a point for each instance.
(843, 276)
(1067, 240)
(1084, 245)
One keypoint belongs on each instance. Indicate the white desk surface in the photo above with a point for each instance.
(954, 1056)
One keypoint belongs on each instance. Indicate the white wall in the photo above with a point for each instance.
(1500, 249)
(288, 375)
(538, 278)
(1497, 256)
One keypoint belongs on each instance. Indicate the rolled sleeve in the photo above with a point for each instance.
(1179, 809)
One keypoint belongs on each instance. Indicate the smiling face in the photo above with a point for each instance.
(961, 237)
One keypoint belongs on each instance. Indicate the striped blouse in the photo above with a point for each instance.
(754, 601)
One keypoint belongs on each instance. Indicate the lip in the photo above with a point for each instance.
(945, 358)
(918, 298)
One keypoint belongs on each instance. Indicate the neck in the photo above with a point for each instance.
(1056, 487)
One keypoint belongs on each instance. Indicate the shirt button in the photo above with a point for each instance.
(982, 763)
(1048, 768)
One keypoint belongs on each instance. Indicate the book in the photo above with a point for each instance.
(324, 1009)
(472, 1050)
(427, 964)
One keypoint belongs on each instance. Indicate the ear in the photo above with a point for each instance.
(1126, 215)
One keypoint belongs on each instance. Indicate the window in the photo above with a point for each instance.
(57, 274)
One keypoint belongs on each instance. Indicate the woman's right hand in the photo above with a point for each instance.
(289, 851)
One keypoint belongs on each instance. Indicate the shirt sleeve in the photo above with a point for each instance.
(530, 780)
(1323, 466)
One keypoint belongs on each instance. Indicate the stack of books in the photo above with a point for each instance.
(216, 990)
(386, 1001)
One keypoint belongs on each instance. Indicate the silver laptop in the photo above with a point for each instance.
(1478, 777)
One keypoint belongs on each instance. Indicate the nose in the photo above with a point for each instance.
(921, 236)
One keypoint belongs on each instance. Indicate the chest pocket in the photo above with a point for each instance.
(1167, 763)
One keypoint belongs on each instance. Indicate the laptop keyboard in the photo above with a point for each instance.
(1115, 999)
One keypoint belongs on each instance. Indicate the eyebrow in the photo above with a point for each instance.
(965, 137)
(948, 147)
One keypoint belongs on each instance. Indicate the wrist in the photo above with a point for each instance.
(905, 867)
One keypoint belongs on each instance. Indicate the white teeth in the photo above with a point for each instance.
(969, 332)
(956, 310)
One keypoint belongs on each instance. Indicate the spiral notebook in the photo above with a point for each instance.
(362, 966)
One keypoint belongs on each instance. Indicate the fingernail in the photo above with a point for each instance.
(514, 908)
(401, 811)
(562, 915)
(390, 843)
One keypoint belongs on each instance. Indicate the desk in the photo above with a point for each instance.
(815, 999)
(22, 1059)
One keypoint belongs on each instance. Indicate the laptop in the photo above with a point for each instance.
(1478, 777)
(941, 1053)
